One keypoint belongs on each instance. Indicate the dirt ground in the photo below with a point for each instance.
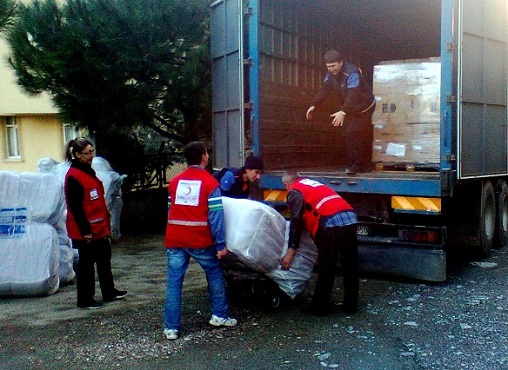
(131, 256)
(461, 323)
(51, 332)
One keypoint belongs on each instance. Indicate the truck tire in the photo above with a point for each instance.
(501, 239)
(487, 218)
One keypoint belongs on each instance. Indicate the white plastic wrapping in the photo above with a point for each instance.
(29, 265)
(66, 266)
(295, 280)
(39, 194)
(254, 233)
(31, 201)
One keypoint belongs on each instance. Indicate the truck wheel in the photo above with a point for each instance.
(502, 215)
(487, 218)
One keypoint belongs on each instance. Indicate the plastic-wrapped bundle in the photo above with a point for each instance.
(46, 165)
(40, 194)
(254, 233)
(28, 198)
(295, 280)
(66, 268)
(29, 264)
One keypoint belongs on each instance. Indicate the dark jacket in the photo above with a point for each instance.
(232, 184)
(355, 92)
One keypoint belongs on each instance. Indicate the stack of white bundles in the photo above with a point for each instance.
(295, 280)
(42, 194)
(33, 202)
(45, 196)
(29, 262)
(254, 233)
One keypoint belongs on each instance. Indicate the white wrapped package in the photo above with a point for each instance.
(41, 194)
(28, 198)
(29, 264)
(295, 280)
(254, 233)
(66, 271)
(46, 165)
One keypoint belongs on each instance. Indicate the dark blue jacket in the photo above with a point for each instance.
(355, 92)
(231, 183)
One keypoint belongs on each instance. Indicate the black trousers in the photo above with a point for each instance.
(332, 243)
(358, 140)
(92, 253)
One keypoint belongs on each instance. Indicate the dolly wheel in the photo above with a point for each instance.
(275, 300)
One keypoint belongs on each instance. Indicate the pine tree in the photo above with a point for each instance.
(116, 64)
(7, 12)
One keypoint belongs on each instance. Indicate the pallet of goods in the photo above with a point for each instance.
(406, 122)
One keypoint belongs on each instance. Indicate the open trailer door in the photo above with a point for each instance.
(227, 83)
(482, 88)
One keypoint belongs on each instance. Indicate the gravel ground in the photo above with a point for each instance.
(459, 324)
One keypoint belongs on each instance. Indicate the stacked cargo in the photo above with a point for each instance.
(407, 116)
(32, 235)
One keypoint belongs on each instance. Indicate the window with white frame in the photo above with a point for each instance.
(12, 137)
(69, 132)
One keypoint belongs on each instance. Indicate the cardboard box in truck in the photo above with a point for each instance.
(407, 96)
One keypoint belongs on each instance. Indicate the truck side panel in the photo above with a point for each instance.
(482, 88)
(227, 83)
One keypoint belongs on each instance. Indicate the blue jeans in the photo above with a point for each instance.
(178, 261)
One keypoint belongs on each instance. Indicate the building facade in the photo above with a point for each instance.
(29, 125)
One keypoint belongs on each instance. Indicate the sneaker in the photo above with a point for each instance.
(219, 321)
(117, 294)
(92, 305)
(171, 334)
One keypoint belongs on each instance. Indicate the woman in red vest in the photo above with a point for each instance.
(88, 226)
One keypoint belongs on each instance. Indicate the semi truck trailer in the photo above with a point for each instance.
(439, 173)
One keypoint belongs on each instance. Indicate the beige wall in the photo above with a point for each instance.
(39, 137)
(13, 100)
(40, 132)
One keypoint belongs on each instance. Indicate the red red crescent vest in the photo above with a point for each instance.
(188, 210)
(94, 206)
(320, 200)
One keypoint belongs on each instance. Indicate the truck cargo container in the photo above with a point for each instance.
(420, 198)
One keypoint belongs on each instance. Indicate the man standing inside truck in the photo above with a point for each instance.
(331, 222)
(355, 113)
(241, 182)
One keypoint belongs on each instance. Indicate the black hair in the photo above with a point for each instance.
(193, 152)
(332, 56)
(76, 145)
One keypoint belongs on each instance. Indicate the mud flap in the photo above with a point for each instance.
(421, 264)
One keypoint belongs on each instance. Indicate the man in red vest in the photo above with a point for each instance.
(331, 222)
(195, 229)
